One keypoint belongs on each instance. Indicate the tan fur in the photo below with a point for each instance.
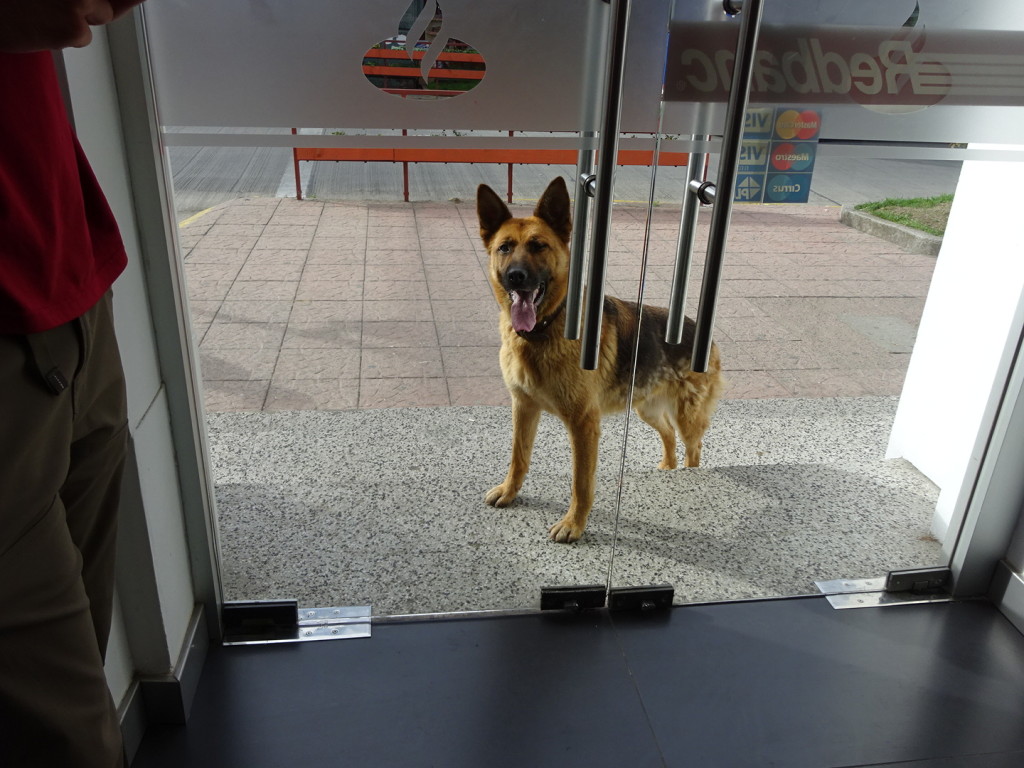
(543, 373)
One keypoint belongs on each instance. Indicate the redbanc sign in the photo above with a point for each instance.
(940, 71)
(909, 66)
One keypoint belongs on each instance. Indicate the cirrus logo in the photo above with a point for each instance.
(419, 61)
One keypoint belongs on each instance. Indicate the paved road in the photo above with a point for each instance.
(206, 176)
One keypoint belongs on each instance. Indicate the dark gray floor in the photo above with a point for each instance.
(788, 683)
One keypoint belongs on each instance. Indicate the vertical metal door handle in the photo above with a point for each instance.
(595, 46)
(607, 154)
(684, 246)
(746, 47)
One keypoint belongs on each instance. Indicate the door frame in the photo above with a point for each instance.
(989, 512)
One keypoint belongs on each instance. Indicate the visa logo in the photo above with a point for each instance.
(757, 120)
(754, 153)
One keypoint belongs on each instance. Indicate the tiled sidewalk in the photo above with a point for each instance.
(320, 305)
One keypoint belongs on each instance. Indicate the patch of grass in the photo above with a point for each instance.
(928, 214)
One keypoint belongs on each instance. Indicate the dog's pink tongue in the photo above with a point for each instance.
(524, 312)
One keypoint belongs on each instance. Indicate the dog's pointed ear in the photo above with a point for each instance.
(491, 211)
(553, 208)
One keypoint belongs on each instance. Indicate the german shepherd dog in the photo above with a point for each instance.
(529, 271)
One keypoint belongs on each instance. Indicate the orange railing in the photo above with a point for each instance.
(509, 157)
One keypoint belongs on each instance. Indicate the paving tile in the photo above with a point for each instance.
(203, 255)
(377, 272)
(330, 290)
(455, 272)
(450, 242)
(468, 259)
(250, 216)
(316, 272)
(474, 288)
(237, 363)
(394, 290)
(204, 311)
(378, 240)
(275, 256)
(753, 384)
(277, 242)
(465, 310)
(323, 335)
(312, 394)
(403, 393)
(256, 271)
(212, 242)
(324, 242)
(753, 288)
(731, 306)
(735, 358)
(464, 362)
(246, 311)
(410, 310)
(376, 255)
(262, 290)
(244, 335)
(381, 334)
(410, 282)
(777, 356)
(317, 364)
(240, 231)
(306, 311)
(469, 333)
(297, 232)
(882, 381)
(235, 395)
(821, 383)
(402, 363)
(197, 272)
(478, 390)
(756, 329)
(208, 290)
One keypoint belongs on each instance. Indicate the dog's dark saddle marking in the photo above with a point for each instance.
(653, 354)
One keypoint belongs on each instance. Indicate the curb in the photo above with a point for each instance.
(910, 240)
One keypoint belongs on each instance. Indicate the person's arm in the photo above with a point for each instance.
(39, 25)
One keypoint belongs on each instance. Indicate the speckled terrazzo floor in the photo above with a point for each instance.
(385, 507)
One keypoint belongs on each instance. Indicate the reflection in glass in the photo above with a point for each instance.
(446, 66)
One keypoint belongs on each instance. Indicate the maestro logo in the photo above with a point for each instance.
(787, 156)
(420, 61)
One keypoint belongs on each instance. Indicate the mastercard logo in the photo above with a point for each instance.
(793, 124)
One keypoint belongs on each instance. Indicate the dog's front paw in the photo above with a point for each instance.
(501, 495)
(565, 531)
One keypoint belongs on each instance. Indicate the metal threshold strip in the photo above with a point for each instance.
(261, 622)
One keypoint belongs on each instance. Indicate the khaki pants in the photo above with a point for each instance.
(63, 432)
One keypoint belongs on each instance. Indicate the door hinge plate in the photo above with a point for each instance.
(654, 597)
(919, 580)
(906, 587)
(572, 598)
(260, 620)
(282, 621)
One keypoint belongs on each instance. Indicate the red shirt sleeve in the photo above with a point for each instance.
(60, 249)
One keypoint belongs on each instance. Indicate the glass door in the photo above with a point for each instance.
(365, 318)
(842, 422)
